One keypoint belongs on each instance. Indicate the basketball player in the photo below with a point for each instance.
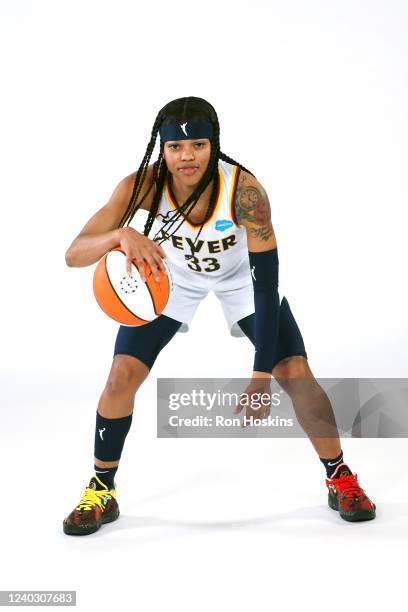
(216, 235)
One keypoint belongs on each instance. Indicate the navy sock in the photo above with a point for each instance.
(107, 475)
(110, 435)
(331, 464)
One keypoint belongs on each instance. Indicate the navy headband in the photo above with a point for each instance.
(186, 131)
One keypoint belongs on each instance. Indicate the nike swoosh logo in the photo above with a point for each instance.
(335, 463)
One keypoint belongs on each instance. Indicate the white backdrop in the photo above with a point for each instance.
(312, 98)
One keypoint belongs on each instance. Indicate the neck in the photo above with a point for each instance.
(182, 191)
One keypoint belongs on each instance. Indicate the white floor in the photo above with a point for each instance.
(204, 524)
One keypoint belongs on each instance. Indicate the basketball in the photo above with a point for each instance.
(127, 299)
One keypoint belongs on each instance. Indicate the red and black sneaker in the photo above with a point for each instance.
(98, 505)
(346, 496)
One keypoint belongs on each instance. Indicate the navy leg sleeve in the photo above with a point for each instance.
(290, 341)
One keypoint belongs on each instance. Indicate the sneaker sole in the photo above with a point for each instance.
(364, 515)
(358, 517)
(72, 529)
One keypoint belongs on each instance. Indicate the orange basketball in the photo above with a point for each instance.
(127, 299)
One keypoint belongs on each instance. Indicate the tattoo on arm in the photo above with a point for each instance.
(252, 205)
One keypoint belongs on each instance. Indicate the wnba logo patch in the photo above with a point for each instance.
(223, 224)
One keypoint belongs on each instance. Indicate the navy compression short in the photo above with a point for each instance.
(146, 341)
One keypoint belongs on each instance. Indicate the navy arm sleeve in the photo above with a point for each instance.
(264, 272)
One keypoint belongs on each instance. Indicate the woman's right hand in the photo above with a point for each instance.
(138, 249)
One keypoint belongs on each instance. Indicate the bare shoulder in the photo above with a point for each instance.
(253, 211)
(125, 188)
(110, 215)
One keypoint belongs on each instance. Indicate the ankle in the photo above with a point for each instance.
(331, 464)
(106, 475)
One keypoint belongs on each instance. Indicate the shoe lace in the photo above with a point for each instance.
(348, 484)
(90, 498)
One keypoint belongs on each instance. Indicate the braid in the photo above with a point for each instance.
(159, 177)
(232, 161)
(182, 109)
(214, 193)
(210, 173)
(141, 175)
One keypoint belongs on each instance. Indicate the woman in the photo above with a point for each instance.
(217, 234)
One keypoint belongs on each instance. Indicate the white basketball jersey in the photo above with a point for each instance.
(218, 262)
(221, 247)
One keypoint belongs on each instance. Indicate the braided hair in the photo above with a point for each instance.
(178, 111)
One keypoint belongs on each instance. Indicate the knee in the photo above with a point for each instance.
(126, 375)
(294, 375)
(295, 366)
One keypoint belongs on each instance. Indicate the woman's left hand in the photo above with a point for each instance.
(256, 399)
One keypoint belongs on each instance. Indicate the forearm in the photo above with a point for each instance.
(266, 297)
(89, 248)
(266, 332)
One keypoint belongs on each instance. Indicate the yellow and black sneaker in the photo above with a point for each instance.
(98, 505)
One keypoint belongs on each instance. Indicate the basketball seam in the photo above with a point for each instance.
(114, 290)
